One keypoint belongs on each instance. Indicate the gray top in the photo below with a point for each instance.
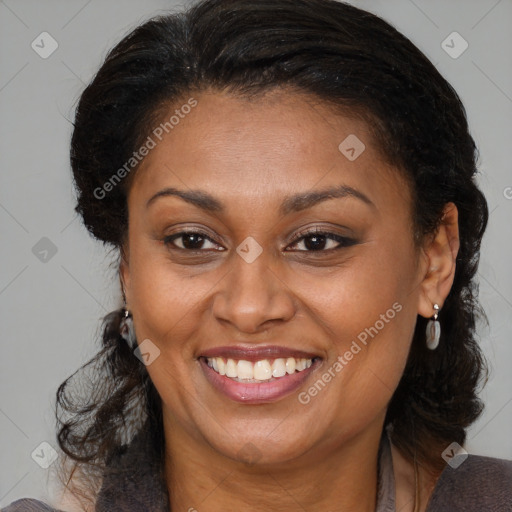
(479, 484)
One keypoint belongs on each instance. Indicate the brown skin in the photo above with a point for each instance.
(250, 155)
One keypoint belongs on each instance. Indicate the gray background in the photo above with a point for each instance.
(50, 309)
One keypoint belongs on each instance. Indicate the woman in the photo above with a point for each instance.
(290, 186)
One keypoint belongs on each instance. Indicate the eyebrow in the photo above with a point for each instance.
(294, 203)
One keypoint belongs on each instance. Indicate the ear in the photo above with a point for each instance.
(124, 273)
(440, 252)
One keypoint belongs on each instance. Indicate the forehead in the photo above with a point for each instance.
(254, 151)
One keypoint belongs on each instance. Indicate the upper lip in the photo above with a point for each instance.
(257, 353)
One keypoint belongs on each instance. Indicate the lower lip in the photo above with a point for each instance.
(257, 393)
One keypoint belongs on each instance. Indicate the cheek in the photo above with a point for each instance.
(370, 310)
(162, 298)
(362, 294)
(368, 356)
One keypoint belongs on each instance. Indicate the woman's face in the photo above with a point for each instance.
(254, 283)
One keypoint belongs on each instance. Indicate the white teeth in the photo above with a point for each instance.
(303, 364)
(231, 368)
(244, 370)
(279, 368)
(261, 370)
(290, 365)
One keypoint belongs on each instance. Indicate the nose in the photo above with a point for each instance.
(252, 296)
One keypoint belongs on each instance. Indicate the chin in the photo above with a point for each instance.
(260, 449)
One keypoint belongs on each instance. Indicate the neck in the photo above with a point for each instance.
(406, 487)
(325, 478)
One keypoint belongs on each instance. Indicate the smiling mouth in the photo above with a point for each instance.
(264, 370)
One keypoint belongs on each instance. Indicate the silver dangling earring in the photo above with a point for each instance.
(126, 329)
(433, 330)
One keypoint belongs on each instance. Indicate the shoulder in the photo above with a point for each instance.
(28, 505)
(478, 483)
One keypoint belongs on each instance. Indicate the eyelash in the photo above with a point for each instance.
(343, 241)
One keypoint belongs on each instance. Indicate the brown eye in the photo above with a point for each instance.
(322, 241)
(190, 241)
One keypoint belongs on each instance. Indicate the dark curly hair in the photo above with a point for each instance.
(352, 61)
